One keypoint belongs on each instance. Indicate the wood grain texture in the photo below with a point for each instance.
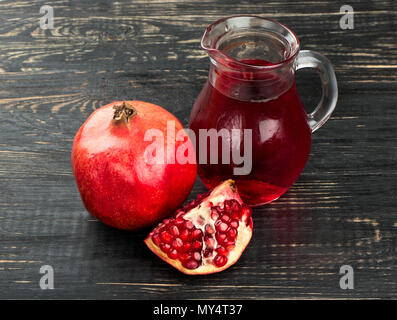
(342, 210)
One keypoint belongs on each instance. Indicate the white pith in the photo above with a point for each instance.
(205, 216)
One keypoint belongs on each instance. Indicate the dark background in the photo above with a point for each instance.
(342, 210)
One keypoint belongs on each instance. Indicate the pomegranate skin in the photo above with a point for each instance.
(117, 183)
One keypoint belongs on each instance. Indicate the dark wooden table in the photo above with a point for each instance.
(342, 210)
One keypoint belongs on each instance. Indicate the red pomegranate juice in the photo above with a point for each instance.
(281, 137)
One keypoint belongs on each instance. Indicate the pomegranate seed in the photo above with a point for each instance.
(179, 213)
(166, 237)
(220, 260)
(232, 233)
(174, 231)
(207, 253)
(229, 243)
(166, 221)
(234, 223)
(196, 256)
(225, 218)
(173, 254)
(214, 214)
(197, 245)
(189, 225)
(156, 239)
(230, 247)
(177, 243)
(246, 213)
(191, 264)
(221, 250)
(165, 247)
(236, 215)
(210, 243)
(235, 205)
(221, 237)
(185, 235)
(186, 247)
(184, 257)
(221, 226)
(209, 229)
(228, 206)
(179, 221)
(197, 234)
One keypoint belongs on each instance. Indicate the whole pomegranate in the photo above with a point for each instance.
(118, 180)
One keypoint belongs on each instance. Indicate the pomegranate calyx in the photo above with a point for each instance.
(123, 112)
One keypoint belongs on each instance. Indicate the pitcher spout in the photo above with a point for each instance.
(238, 41)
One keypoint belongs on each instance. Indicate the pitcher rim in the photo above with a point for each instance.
(246, 65)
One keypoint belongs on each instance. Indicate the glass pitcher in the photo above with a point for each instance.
(249, 122)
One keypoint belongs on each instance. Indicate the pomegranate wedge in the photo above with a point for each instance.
(207, 235)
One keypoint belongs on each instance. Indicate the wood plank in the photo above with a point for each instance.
(342, 210)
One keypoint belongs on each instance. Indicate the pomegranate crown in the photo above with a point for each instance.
(123, 111)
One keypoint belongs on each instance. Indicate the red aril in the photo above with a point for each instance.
(117, 183)
(207, 235)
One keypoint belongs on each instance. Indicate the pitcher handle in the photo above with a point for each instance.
(313, 59)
